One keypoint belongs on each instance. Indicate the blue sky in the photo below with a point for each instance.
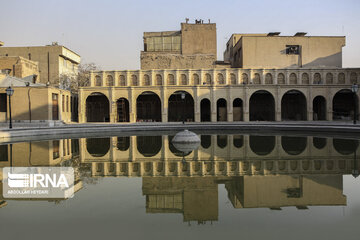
(109, 33)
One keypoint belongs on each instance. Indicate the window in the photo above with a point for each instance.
(292, 49)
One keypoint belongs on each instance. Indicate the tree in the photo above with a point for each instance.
(81, 79)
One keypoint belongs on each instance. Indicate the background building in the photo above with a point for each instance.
(54, 60)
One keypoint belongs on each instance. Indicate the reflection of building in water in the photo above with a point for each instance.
(63, 152)
(196, 198)
(222, 155)
(281, 191)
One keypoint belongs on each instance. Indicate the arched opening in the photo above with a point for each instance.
(305, 78)
(341, 78)
(292, 78)
(149, 146)
(97, 108)
(134, 80)
(262, 106)
(293, 106)
(205, 112)
(262, 145)
(98, 81)
(122, 105)
(98, 147)
(238, 141)
(148, 107)
(345, 146)
(256, 79)
(205, 141)
(171, 79)
(122, 81)
(237, 109)
(183, 79)
(109, 81)
(146, 80)
(319, 108)
(244, 78)
(293, 145)
(220, 79)
(268, 78)
(281, 78)
(123, 143)
(329, 78)
(207, 79)
(179, 109)
(319, 143)
(232, 79)
(221, 110)
(196, 79)
(343, 105)
(221, 141)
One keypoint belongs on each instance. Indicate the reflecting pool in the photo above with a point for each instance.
(233, 185)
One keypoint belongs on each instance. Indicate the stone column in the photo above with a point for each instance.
(213, 107)
(132, 105)
(277, 99)
(112, 105)
(164, 104)
(197, 105)
(246, 104)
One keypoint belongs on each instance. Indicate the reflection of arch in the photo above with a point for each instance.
(343, 105)
(221, 110)
(149, 146)
(293, 145)
(205, 141)
(305, 78)
(221, 141)
(122, 105)
(262, 145)
(179, 109)
(237, 109)
(345, 146)
(238, 141)
(97, 108)
(319, 143)
(262, 106)
(123, 143)
(98, 147)
(148, 107)
(281, 78)
(205, 112)
(319, 108)
(293, 106)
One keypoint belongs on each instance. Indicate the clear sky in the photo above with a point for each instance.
(109, 32)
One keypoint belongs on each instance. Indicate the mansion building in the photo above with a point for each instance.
(263, 77)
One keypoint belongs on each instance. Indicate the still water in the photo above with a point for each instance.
(239, 186)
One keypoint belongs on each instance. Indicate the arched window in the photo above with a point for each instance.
(220, 79)
(293, 79)
(317, 78)
(232, 79)
(329, 78)
(281, 78)
(146, 80)
(196, 80)
(183, 79)
(109, 81)
(353, 77)
(171, 79)
(257, 78)
(158, 80)
(98, 81)
(244, 78)
(341, 78)
(305, 78)
(134, 81)
(122, 80)
(268, 78)
(207, 79)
